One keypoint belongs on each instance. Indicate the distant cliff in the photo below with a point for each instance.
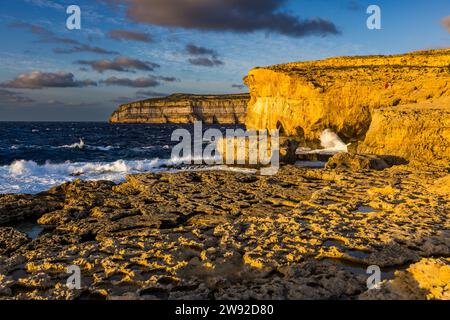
(185, 108)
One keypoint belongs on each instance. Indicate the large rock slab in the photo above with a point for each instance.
(428, 279)
(300, 234)
(356, 162)
(416, 132)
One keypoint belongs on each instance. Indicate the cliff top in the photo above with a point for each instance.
(418, 59)
(167, 109)
(441, 104)
(341, 70)
(187, 96)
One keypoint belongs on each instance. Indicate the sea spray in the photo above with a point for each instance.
(32, 162)
(26, 176)
(79, 145)
(331, 141)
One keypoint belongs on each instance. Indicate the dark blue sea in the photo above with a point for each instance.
(35, 156)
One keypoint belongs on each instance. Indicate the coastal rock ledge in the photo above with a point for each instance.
(302, 234)
(185, 108)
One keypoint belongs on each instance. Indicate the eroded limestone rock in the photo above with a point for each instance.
(350, 161)
(357, 95)
(340, 93)
(11, 239)
(227, 235)
(428, 279)
(417, 132)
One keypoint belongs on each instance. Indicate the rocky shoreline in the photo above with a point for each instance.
(301, 234)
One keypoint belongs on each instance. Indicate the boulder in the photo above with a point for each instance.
(356, 162)
(417, 132)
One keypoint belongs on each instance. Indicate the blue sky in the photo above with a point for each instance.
(43, 76)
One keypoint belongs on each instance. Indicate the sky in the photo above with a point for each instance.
(129, 50)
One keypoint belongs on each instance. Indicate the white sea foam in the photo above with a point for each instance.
(100, 148)
(82, 145)
(29, 177)
(330, 142)
(79, 145)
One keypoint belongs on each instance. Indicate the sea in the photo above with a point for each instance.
(35, 156)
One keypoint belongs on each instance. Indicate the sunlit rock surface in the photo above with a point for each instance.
(356, 162)
(426, 279)
(185, 108)
(302, 233)
(417, 132)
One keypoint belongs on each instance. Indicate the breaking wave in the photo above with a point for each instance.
(29, 177)
(24, 176)
(37, 156)
(79, 145)
(330, 142)
(82, 145)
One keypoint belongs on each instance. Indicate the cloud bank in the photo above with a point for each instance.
(206, 62)
(143, 82)
(47, 36)
(446, 23)
(194, 50)
(226, 15)
(202, 56)
(7, 96)
(83, 48)
(130, 35)
(40, 80)
(121, 64)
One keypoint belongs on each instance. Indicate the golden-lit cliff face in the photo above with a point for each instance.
(352, 94)
(417, 131)
(341, 93)
(184, 108)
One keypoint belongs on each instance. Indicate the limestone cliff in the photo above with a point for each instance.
(400, 102)
(416, 131)
(185, 108)
(342, 93)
